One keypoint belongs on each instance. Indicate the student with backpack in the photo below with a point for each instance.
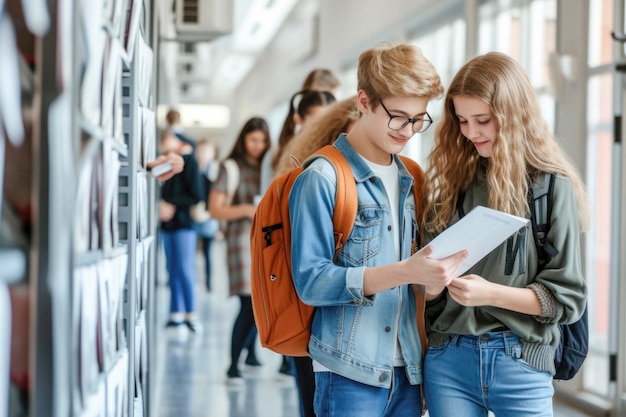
(252, 143)
(494, 331)
(364, 340)
(304, 106)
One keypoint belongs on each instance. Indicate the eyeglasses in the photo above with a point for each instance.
(419, 125)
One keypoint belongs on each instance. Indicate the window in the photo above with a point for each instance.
(525, 30)
(600, 92)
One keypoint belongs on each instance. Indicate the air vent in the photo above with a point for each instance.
(188, 47)
(203, 20)
(190, 11)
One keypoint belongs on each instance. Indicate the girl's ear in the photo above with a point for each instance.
(297, 119)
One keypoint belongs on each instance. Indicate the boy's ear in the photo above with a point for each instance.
(362, 101)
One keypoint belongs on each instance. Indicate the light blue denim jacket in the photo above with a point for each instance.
(354, 335)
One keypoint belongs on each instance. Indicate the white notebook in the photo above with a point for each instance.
(480, 231)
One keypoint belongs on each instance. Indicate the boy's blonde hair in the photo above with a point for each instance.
(399, 70)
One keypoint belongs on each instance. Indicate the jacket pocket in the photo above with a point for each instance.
(364, 241)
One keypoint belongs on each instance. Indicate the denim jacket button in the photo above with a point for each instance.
(387, 329)
(382, 378)
(389, 228)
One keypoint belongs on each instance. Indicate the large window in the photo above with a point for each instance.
(444, 47)
(600, 114)
(599, 145)
(525, 30)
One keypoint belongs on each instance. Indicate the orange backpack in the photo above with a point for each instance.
(282, 319)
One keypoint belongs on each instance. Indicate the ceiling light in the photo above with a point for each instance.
(208, 116)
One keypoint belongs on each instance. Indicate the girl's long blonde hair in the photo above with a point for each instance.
(523, 149)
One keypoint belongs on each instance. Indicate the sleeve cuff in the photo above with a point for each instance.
(547, 301)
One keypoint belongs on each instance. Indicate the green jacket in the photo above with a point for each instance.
(560, 286)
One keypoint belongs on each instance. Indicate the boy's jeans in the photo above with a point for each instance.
(336, 396)
(470, 375)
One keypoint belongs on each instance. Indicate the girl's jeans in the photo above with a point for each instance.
(470, 375)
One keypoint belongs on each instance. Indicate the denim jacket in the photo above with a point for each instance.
(351, 334)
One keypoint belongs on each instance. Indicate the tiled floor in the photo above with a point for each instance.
(190, 374)
(190, 379)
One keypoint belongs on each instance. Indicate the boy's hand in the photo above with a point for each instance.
(435, 273)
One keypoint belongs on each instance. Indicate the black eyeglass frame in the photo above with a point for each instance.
(427, 121)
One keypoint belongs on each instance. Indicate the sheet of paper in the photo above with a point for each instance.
(2, 146)
(5, 346)
(480, 231)
(36, 16)
(11, 97)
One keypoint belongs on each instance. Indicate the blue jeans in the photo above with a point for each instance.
(470, 375)
(336, 396)
(180, 255)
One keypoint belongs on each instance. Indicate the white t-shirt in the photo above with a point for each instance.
(391, 183)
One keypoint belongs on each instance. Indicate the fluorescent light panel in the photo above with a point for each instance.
(207, 116)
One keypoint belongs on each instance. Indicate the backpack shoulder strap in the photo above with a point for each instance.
(346, 195)
(417, 173)
(232, 176)
(459, 204)
(540, 195)
(419, 291)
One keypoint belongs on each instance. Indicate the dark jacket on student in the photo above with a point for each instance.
(183, 190)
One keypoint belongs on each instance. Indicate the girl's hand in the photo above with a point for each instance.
(166, 211)
(471, 290)
(433, 291)
(250, 210)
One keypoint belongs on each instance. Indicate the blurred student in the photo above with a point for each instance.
(207, 228)
(322, 79)
(322, 129)
(251, 145)
(174, 126)
(178, 195)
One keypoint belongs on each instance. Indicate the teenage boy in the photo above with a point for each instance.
(364, 343)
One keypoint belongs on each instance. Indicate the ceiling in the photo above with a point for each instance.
(207, 47)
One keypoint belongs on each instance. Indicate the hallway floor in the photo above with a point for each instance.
(190, 375)
(191, 370)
